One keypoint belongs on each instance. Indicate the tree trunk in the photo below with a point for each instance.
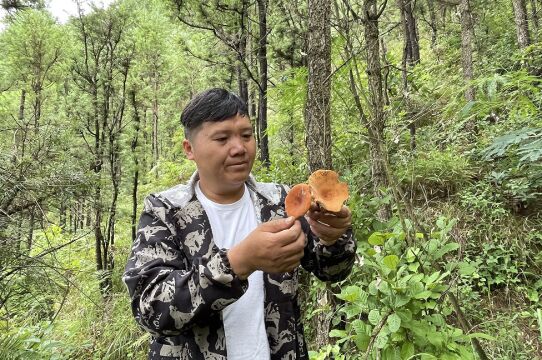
(70, 219)
(386, 71)
(522, 26)
(31, 225)
(534, 17)
(317, 120)
(136, 163)
(376, 124)
(432, 22)
(155, 153)
(88, 217)
(80, 213)
(242, 54)
(317, 111)
(262, 96)
(411, 57)
(410, 33)
(62, 212)
(467, 36)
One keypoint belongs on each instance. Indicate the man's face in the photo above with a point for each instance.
(224, 152)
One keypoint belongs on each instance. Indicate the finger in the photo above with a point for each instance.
(343, 213)
(277, 225)
(296, 246)
(292, 267)
(332, 221)
(289, 235)
(326, 232)
(290, 264)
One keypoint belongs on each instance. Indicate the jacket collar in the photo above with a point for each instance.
(180, 195)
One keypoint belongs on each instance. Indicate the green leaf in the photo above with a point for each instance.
(436, 339)
(338, 333)
(432, 278)
(444, 250)
(423, 295)
(373, 290)
(391, 353)
(362, 341)
(394, 322)
(359, 326)
(376, 238)
(465, 268)
(391, 261)
(401, 300)
(381, 341)
(466, 109)
(374, 317)
(411, 254)
(350, 293)
(404, 314)
(352, 310)
(407, 350)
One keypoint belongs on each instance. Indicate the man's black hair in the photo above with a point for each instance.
(211, 105)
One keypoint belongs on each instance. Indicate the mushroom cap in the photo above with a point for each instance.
(327, 190)
(298, 200)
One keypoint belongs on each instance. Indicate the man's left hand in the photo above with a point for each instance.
(328, 226)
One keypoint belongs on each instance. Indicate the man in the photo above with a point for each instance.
(214, 269)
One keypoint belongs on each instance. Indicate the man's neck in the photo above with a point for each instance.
(222, 196)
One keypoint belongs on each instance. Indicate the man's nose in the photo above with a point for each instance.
(237, 147)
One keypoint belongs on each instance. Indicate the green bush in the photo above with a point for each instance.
(434, 173)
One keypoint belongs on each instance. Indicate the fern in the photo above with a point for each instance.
(528, 140)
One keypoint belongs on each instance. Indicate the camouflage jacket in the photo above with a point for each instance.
(179, 280)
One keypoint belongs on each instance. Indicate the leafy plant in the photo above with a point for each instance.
(518, 171)
(435, 172)
(394, 305)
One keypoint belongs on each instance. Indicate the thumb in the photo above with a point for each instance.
(277, 225)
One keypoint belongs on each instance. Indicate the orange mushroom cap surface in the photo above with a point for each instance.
(298, 200)
(327, 190)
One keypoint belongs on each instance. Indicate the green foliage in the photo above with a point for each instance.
(515, 158)
(394, 303)
(434, 173)
(33, 343)
(478, 162)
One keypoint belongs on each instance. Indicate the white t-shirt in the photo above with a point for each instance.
(244, 324)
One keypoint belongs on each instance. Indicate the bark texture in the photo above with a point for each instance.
(467, 36)
(376, 124)
(317, 112)
(522, 26)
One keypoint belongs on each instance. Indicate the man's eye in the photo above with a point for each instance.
(221, 139)
(247, 136)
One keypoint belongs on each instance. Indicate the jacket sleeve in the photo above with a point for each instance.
(168, 297)
(328, 263)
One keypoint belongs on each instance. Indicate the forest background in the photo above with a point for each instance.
(429, 109)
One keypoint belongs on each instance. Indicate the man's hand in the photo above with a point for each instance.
(328, 226)
(276, 246)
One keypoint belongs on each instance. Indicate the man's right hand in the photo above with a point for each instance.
(275, 247)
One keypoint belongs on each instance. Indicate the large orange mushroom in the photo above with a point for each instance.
(327, 190)
(324, 188)
(298, 200)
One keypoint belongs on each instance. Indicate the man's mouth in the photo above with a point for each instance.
(239, 164)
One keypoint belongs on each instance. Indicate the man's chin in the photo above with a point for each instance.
(238, 178)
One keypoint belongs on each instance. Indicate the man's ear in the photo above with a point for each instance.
(187, 147)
